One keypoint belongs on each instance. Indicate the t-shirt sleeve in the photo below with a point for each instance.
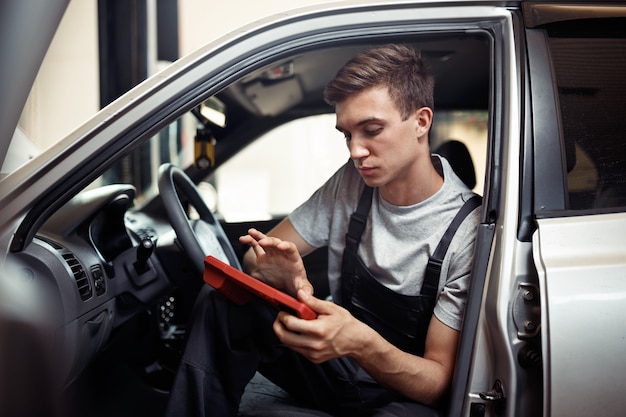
(312, 219)
(451, 303)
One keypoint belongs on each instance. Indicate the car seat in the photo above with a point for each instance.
(460, 159)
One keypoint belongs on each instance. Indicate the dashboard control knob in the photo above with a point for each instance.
(144, 251)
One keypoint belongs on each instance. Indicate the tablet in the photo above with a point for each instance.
(240, 288)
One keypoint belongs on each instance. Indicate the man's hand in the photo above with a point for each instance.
(334, 333)
(337, 333)
(278, 262)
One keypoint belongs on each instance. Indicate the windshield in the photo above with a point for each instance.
(174, 144)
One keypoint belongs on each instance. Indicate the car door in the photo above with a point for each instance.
(579, 247)
(548, 327)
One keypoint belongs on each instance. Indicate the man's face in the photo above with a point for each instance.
(383, 147)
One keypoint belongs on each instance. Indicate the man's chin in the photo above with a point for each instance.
(372, 182)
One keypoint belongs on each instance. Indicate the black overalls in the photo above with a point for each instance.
(401, 319)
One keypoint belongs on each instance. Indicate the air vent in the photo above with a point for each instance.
(82, 281)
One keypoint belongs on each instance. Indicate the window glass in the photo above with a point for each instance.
(280, 170)
(468, 127)
(589, 61)
(173, 144)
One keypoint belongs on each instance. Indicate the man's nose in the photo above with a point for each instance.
(357, 149)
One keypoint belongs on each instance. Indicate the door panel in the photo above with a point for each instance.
(581, 263)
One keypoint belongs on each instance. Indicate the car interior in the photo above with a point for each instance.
(115, 262)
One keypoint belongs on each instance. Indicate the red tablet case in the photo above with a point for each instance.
(240, 288)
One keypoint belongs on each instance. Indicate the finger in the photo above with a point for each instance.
(249, 240)
(269, 249)
(269, 241)
(274, 246)
(278, 329)
(258, 250)
(290, 330)
(316, 304)
(278, 246)
(257, 235)
(284, 334)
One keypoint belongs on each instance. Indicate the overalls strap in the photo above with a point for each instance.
(356, 227)
(433, 268)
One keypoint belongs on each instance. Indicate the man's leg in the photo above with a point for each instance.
(340, 386)
(219, 358)
(226, 344)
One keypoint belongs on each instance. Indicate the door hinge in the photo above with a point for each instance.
(527, 311)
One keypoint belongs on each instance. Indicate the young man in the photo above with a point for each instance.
(388, 341)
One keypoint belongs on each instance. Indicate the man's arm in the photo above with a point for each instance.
(337, 333)
(422, 379)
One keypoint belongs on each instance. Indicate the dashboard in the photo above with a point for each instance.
(93, 265)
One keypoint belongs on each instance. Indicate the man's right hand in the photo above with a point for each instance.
(276, 262)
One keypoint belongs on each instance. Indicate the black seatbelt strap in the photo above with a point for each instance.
(433, 269)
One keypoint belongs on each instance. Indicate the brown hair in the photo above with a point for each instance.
(397, 67)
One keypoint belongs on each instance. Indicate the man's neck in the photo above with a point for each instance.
(417, 186)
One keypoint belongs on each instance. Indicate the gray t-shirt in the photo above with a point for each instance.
(398, 240)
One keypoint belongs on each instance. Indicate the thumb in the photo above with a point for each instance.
(317, 305)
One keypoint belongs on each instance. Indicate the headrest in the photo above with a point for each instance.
(460, 159)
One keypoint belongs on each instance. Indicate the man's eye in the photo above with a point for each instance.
(347, 137)
(373, 132)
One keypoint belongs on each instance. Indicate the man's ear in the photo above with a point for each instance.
(424, 119)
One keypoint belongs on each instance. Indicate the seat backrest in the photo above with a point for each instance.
(460, 159)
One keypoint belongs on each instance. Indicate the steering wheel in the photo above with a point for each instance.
(201, 237)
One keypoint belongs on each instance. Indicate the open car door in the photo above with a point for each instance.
(582, 273)
(579, 245)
